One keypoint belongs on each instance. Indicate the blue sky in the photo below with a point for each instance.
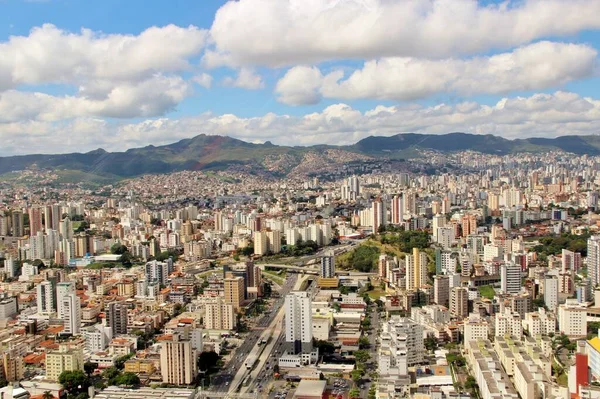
(77, 75)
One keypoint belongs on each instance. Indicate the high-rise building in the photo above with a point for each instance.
(234, 291)
(218, 221)
(17, 227)
(68, 357)
(10, 267)
(45, 298)
(298, 321)
(178, 360)
(416, 270)
(219, 315)
(261, 245)
(8, 307)
(397, 209)
(441, 290)
(510, 278)
(66, 229)
(436, 222)
(551, 292)
(12, 364)
(377, 214)
(63, 289)
(116, 317)
(401, 346)
(35, 220)
(274, 241)
(593, 259)
(328, 265)
(159, 271)
(71, 307)
(459, 302)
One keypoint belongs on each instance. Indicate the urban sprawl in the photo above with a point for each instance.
(475, 277)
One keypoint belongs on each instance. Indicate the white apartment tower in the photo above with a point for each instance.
(63, 289)
(593, 259)
(71, 307)
(298, 323)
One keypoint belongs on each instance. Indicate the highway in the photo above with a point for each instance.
(224, 380)
(263, 372)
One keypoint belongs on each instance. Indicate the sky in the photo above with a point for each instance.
(77, 75)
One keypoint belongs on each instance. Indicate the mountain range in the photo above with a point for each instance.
(208, 152)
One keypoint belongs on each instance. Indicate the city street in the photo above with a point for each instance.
(236, 370)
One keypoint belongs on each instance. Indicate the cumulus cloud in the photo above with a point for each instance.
(151, 97)
(246, 79)
(51, 55)
(204, 80)
(532, 67)
(292, 32)
(115, 75)
(540, 115)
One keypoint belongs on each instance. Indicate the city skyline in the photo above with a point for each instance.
(74, 78)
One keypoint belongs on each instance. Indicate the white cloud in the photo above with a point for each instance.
(115, 75)
(292, 32)
(204, 80)
(532, 67)
(52, 55)
(153, 96)
(540, 115)
(246, 79)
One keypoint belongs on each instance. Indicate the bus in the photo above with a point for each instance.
(250, 361)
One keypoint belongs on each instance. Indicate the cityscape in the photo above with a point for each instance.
(299, 199)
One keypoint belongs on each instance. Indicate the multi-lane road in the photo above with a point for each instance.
(224, 380)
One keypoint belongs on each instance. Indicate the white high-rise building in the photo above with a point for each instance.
(401, 346)
(551, 292)
(10, 267)
(593, 259)
(63, 290)
(97, 337)
(510, 278)
(436, 222)
(159, 271)
(298, 322)
(445, 237)
(71, 306)
(45, 298)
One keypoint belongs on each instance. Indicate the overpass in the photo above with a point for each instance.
(307, 270)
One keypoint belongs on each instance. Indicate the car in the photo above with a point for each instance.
(227, 384)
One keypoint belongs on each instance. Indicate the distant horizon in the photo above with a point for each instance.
(168, 143)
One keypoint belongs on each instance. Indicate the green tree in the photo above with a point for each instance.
(111, 373)
(356, 375)
(73, 381)
(354, 393)
(118, 249)
(129, 379)
(431, 342)
(364, 342)
(362, 356)
(471, 383)
(47, 395)
(89, 367)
